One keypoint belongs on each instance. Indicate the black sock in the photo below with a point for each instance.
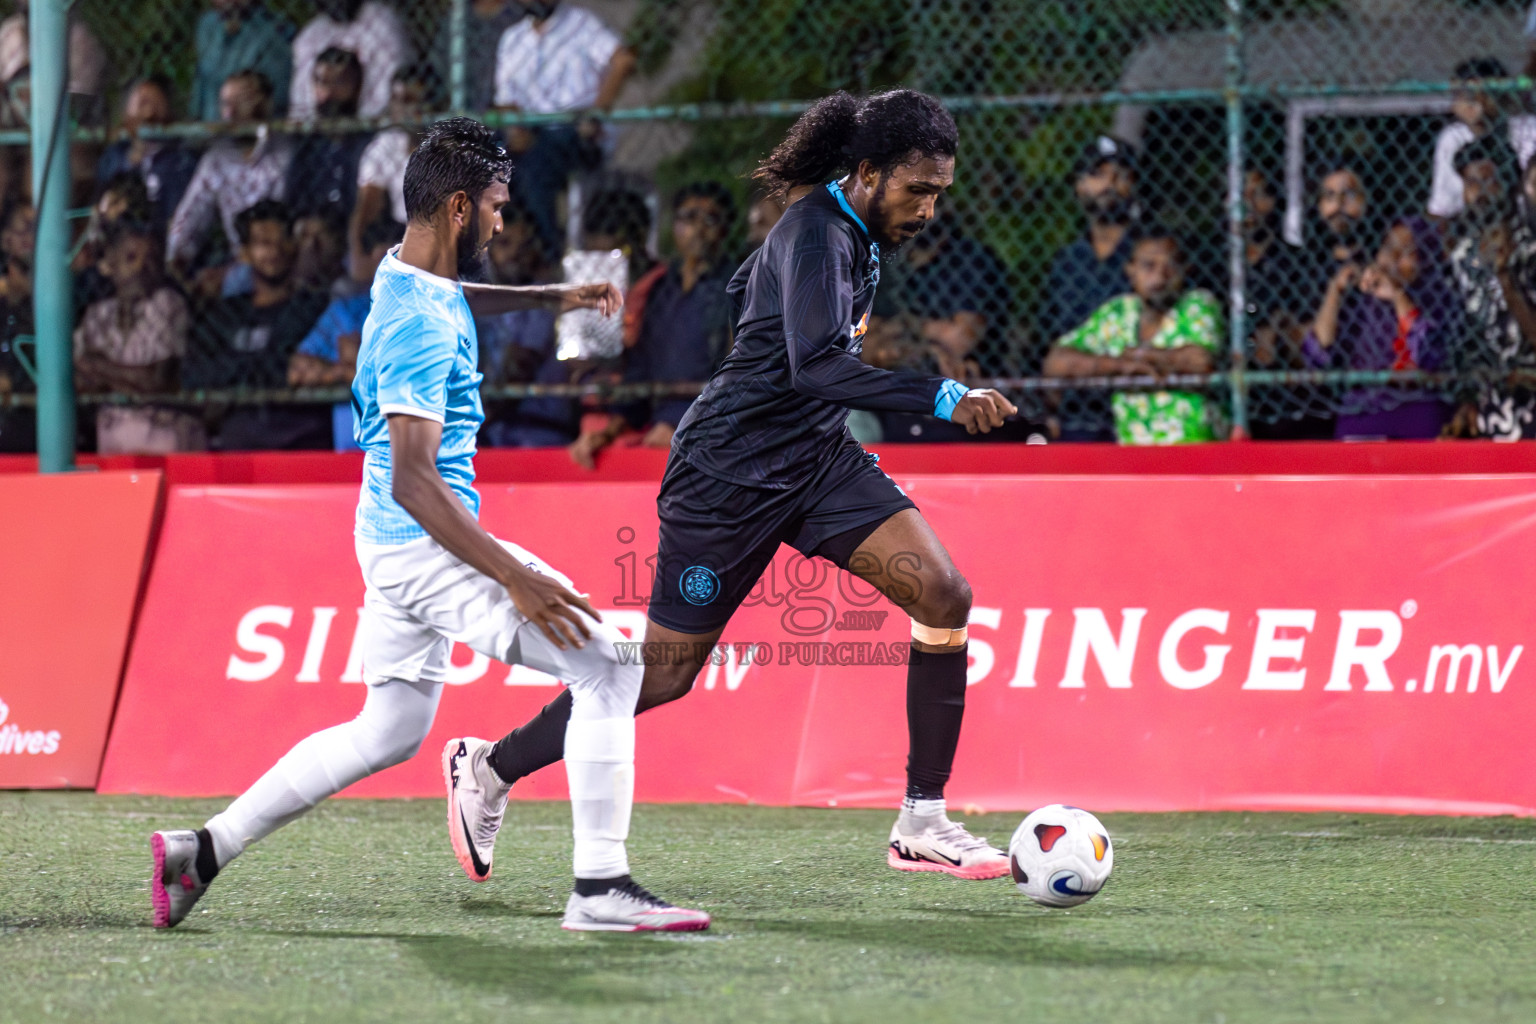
(598, 886)
(536, 743)
(207, 859)
(935, 707)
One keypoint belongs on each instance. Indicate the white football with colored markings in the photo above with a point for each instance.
(1060, 856)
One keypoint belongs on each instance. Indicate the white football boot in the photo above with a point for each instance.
(477, 800)
(175, 886)
(629, 908)
(948, 847)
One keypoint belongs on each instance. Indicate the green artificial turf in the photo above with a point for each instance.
(360, 913)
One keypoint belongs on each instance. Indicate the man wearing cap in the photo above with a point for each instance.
(1089, 271)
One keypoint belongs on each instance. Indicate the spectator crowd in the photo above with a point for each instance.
(244, 265)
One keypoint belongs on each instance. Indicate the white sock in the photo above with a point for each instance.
(917, 815)
(600, 768)
(395, 718)
(599, 741)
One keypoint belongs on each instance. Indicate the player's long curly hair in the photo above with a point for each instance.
(841, 131)
(458, 155)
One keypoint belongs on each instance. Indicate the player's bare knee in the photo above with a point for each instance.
(665, 683)
(664, 692)
(945, 602)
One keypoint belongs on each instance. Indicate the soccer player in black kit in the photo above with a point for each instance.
(764, 457)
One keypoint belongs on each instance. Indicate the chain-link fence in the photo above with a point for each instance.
(1171, 220)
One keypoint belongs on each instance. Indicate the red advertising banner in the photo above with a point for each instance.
(71, 563)
(1137, 643)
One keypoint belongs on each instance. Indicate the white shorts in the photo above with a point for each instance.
(421, 599)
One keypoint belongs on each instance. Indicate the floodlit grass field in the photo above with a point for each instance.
(359, 913)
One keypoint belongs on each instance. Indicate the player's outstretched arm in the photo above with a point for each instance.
(495, 299)
(419, 489)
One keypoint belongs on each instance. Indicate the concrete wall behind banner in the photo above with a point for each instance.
(72, 554)
(1137, 643)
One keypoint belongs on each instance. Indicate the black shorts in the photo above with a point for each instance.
(718, 537)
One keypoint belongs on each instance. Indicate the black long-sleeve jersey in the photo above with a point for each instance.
(779, 403)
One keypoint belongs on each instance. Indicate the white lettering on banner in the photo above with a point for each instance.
(314, 650)
(250, 640)
(1267, 647)
(1373, 657)
(1175, 674)
(1029, 647)
(353, 673)
(1440, 652)
(15, 740)
(737, 659)
(261, 651)
(982, 657)
(1497, 678)
(746, 657)
(1090, 632)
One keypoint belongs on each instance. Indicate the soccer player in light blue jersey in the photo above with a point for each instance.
(435, 576)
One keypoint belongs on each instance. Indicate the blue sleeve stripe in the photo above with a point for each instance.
(950, 393)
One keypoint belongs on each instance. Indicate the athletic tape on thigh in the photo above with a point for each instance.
(936, 637)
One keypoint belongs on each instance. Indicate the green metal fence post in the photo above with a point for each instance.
(47, 25)
(1236, 248)
(458, 56)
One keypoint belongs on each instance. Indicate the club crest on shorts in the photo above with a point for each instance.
(699, 585)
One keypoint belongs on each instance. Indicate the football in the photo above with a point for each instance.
(1060, 856)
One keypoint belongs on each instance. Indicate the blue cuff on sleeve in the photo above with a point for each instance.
(950, 394)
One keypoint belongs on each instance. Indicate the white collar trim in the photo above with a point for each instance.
(400, 266)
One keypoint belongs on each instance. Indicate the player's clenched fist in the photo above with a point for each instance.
(602, 296)
(982, 409)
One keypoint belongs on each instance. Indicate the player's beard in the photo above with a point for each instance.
(877, 216)
(472, 253)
